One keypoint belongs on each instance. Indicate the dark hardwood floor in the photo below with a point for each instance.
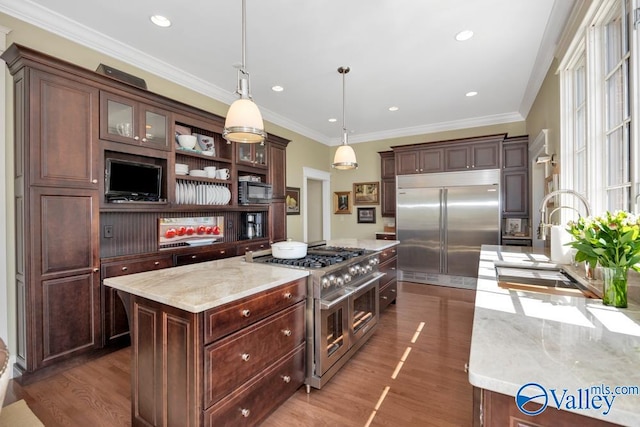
(410, 373)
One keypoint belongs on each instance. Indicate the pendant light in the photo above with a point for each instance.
(345, 157)
(244, 121)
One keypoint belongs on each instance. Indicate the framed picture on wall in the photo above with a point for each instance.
(292, 200)
(342, 202)
(366, 193)
(366, 215)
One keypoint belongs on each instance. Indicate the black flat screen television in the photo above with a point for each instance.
(132, 181)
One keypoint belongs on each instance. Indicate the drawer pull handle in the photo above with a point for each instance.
(393, 268)
(384, 297)
(245, 412)
(286, 378)
(288, 295)
(94, 181)
(393, 290)
(286, 332)
(156, 263)
(96, 269)
(124, 268)
(245, 357)
(246, 312)
(222, 253)
(194, 256)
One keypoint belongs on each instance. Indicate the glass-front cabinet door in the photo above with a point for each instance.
(252, 154)
(132, 122)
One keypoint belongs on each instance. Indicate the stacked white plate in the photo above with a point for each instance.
(190, 193)
(182, 169)
(198, 172)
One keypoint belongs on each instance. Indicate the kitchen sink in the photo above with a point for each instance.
(542, 278)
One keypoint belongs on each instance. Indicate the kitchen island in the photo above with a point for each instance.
(219, 342)
(572, 347)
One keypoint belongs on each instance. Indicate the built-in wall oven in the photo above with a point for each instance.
(342, 305)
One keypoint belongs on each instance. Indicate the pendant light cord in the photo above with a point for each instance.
(344, 71)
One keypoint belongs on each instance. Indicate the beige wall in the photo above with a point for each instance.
(545, 111)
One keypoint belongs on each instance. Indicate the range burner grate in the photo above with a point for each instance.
(310, 261)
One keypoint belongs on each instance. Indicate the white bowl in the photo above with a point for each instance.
(187, 141)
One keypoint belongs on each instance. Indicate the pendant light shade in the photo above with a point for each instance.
(244, 121)
(345, 157)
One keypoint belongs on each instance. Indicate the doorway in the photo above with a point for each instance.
(316, 205)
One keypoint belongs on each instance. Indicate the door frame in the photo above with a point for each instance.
(325, 177)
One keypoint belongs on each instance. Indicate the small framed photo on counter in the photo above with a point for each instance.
(366, 215)
(342, 202)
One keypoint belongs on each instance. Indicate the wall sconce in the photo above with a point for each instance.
(547, 159)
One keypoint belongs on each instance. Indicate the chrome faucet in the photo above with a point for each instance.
(542, 228)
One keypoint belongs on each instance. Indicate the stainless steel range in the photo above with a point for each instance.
(342, 304)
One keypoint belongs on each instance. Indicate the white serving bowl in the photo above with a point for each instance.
(187, 141)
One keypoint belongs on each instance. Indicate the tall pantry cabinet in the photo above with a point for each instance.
(57, 212)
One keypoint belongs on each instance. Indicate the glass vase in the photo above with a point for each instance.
(614, 291)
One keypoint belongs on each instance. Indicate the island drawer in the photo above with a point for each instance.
(245, 247)
(387, 254)
(137, 265)
(389, 268)
(202, 256)
(221, 321)
(249, 352)
(250, 404)
(388, 294)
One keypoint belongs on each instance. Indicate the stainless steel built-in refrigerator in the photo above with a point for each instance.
(442, 219)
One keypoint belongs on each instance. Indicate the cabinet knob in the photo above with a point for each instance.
(393, 268)
(384, 297)
(417, 170)
(467, 166)
(95, 181)
(194, 256)
(288, 295)
(245, 412)
(246, 312)
(96, 269)
(286, 379)
(137, 138)
(144, 139)
(125, 268)
(156, 263)
(222, 252)
(286, 332)
(246, 357)
(393, 291)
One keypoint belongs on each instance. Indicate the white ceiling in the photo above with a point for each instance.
(401, 53)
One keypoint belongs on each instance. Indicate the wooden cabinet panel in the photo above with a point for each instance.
(247, 246)
(431, 160)
(515, 156)
(407, 162)
(388, 294)
(277, 169)
(388, 201)
(388, 283)
(486, 155)
(277, 221)
(232, 317)
(457, 158)
(63, 132)
(62, 307)
(515, 194)
(248, 352)
(251, 404)
(387, 165)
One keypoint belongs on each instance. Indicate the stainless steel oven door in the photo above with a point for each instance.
(364, 307)
(332, 330)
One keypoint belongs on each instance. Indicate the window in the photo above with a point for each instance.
(598, 105)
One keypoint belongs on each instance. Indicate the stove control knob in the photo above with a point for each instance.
(332, 279)
(340, 281)
(325, 282)
(353, 269)
(373, 261)
(357, 269)
(347, 278)
(367, 269)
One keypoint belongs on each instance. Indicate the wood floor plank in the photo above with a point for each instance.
(430, 387)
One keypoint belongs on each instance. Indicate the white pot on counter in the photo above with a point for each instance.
(289, 250)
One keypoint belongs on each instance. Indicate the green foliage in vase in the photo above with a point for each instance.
(610, 239)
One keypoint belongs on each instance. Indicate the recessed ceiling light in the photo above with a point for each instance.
(277, 88)
(394, 108)
(470, 94)
(160, 21)
(333, 120)
(464, 35)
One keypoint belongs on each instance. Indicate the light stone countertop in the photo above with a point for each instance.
(199, 287)
(370, 244)
(559, 342)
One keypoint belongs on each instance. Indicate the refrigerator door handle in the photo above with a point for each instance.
(443, 230)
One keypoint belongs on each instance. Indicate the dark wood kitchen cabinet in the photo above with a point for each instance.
(230, 365)
(515, 178)
(57, 213)
(423, 160)
(131, 121)
(277, 178)
(387, 184)
(388, 283)
(472, 156)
